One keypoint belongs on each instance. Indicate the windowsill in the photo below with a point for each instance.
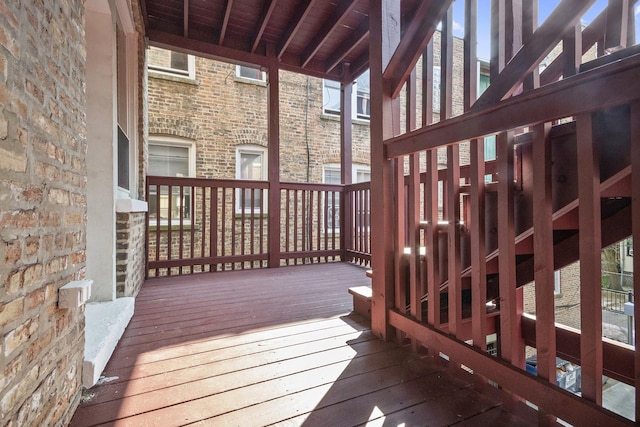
(131, 205)
(247, 80)
(336, 118)
(172, 77)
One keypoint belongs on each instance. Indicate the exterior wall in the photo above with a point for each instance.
(567, 302)
(130, 250)
(43, 206)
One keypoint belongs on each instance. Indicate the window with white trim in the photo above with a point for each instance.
(331, 175)
(172, 157)
(251, 164)
(250, 73)
(360, 97)
(171, 63)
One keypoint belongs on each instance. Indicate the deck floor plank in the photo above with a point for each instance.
(271, 347)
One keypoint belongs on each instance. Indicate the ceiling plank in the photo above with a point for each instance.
(185, 19)
(225, 22)
(294, 26)
(264, 20)
(415, 38)
(566, 15)
(359, 35)
(603, 87)
(343, 10)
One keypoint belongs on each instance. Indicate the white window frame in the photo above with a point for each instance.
(170, 141)
(127, 98)
(251, 149)
(190, 73)
(354, 99)
(262, 79)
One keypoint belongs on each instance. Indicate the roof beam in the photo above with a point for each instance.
(225, 22)
(359, 35)
(269, 7)
(418, 33)
(600, 88)
(185, 19)
(565, 16)
(330, 25)
(293, 28)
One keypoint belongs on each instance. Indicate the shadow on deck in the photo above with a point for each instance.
(274, 346)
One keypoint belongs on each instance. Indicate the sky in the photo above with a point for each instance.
(545, 8)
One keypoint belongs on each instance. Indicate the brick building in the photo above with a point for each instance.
(71, 81)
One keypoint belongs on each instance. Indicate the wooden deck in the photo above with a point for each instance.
(274, 346)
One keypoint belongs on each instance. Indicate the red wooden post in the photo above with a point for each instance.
(572, 51)
(470, 80)
(617, 23)
(590, 260)
(346, 160)
(511, 347)
(478, 247)
(543, 253)
(273, 130)
(413, 204)
(384, 28)
(635, 210)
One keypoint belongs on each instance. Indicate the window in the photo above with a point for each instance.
(556, 282)
(251, 164)
(171, 63)
(360, 97)
(331, 175)
(176, 159)
(363, 107)
(250, 73)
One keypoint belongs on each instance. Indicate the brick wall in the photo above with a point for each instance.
(42, 208)
(130, 250)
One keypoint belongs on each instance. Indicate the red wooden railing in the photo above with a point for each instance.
(198, 225)
(465, 245)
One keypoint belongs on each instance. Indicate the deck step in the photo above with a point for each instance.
(361, 300)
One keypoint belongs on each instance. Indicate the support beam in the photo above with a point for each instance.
(384, 23)
(615, 36)
(263, 20)
(273, 138)
(361, 33)
(470, 53)
(565, 16)
(342, 11)
(590, 259)
(185, 19)
(419, 31)
(346, 158)
(296, 23)
(572, 51)
(613, 84)
(225, 22)
(529, 26)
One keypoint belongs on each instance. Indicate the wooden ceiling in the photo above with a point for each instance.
(314, 37)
